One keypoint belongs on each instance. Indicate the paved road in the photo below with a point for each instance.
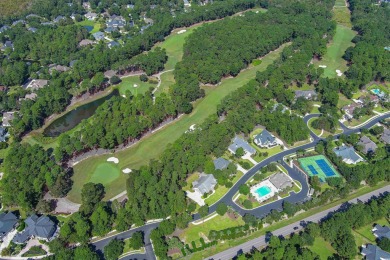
(287, 230)
(228, 197)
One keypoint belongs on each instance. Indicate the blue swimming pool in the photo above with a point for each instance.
(376, 91)
(263, 191)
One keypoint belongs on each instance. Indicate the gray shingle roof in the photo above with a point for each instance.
(368, 145)
(308, 94)
(41, 227)
(385, 137)
(205, 183)
(221, 163)
(264, 138)
(239, 142)
(7, 223)
(3, 135)
(280, 181)
(98, 36)
(347, 153)
(373, 252)
(382, 231)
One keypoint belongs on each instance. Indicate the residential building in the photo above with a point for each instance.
(7, 45)
(349, 109)
(99, 36)
(367, 144)
(385, 137)
(58, 19)
(72, 63)
(86, 42)
(130, 6)
(37, 227)
(186, 3)
(110, 29)
(373, 252)
(33, 29)
(265, 139)
(35, 84)
(31, 96)
(370, 98)
(116, 22)
(7, 118)
(205, 184)
(241, 143)
(307, 94)
(4, 28)
(91, 16)
(8, 222)
(19, 22)
(113, 44)
(58, 68)
(347, 154)
(280, 107)
(3, 134)
(381, 231)
(281, 181)
(109, 74)
(221, 163)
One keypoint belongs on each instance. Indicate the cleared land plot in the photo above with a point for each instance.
(318, 166)
(333, 59)
(322, 248)
(153, 145)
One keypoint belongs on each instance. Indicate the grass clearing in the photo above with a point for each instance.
(105, 173)
(194, 232)
(167, 80)
(333, 58)
(323, 248)
(366, 230)
(153, 145)
(221, 191)
(205, 254)
(129, 83)
(95, 25)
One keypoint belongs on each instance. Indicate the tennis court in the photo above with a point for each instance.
(318, 166)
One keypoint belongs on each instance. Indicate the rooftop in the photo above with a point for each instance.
(241, 143)
(205, 183)
(221, 163)
(347, 153)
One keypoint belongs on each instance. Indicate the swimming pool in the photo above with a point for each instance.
(376, 91)
(263, 191)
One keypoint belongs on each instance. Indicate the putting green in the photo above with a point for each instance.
(105, 173)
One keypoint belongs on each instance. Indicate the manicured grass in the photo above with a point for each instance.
(205, 254)
(383, 87)
(167, 80)
(153, 145)
(194, 232)
(193, 177)
(316, 131)
(341, 14)
(221, 191)
(127, 248)
(336, 49)
(34, 251)
(322, 248)
(96, 25)
(129, 83)
(105, 173)
(361, 120)
(339, 3)
(366, 230)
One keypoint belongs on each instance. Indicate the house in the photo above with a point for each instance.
(280, 107)
(109, 74)
(98, 36)
(73, 16)
(373, 252)
(86, 42)
(349, 109)
(86, 5)
(347, 154)
(35, 84)
(307, 94)
(265, 139)
(31, 96)
(371, 98)
(38, 227)
(47, 23)
(385, 137)
(8, 222)
(130, 6)
(7, 45)
(4, 28)
(116, 22)
(110, 29)
(3, 134)
(367, 144)
(32, 29)
(281, 181)
(113, 44)
(72, 63)
(7, 118)
(205, 184)
(58, 19)
(186, 3)
(18, 22)
(91, 16)
(221, 163)
(381, 231)
(241, 143)
(58, 68)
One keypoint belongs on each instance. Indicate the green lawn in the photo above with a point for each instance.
(96, 25)
(322, 248)
(129, 83)
(194, 232)
(153, 145)
(34, 251)
(336, 49)
(341, 14)
(221, 191)
(167, 80)
(366, 230)
(105, 173)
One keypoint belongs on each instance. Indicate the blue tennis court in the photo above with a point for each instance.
(319, 166)
(325, 168)
(312, 169)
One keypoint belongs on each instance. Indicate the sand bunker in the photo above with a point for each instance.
(322, 66)
(339, 73)
(127, 170)
(113, 159)
(181, 31)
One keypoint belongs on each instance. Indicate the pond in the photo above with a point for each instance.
(75, 116)
(89, 28)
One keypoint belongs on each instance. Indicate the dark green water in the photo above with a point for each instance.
(75, 116)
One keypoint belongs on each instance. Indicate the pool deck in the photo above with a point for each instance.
(267, 183)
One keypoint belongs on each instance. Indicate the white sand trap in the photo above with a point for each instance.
(113, 159)
(127, 170)
(257, 12)
(339, 73)
(135, 85)
(181, 31)
(322, 66)
(192, 127)
(124, 96)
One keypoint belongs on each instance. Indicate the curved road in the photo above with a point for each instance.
(228, 197)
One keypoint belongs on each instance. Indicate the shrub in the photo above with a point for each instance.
(143, 78)
(247, 204)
